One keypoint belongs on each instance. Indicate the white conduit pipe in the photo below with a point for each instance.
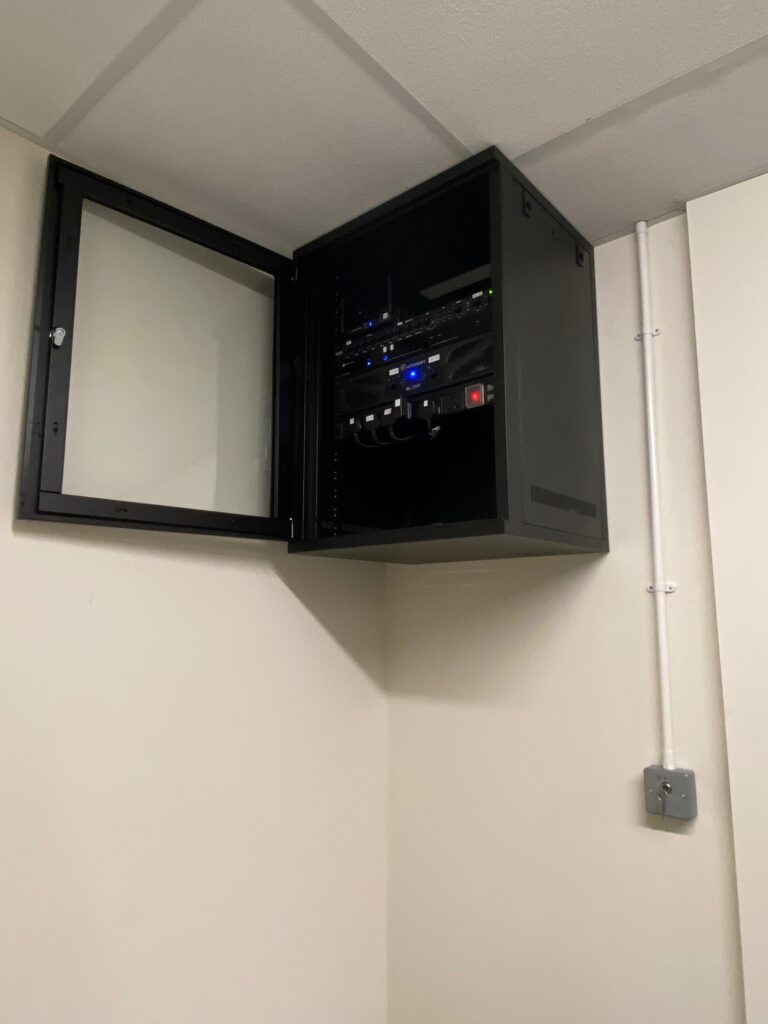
(660, 588)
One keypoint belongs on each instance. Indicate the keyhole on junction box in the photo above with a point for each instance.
(666, 789)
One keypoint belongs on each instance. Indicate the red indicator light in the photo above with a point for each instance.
(474, 395)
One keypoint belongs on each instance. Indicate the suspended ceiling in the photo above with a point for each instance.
(280, 119)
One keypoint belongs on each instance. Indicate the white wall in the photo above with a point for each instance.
(729, 253)
(526, 882)
(193, 749)
(192, 754)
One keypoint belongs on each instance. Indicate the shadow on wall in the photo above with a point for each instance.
(476, 633)
(346, 598)
(492, 620)
(537, 643)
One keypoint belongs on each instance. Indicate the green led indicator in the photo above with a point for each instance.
(490, 291)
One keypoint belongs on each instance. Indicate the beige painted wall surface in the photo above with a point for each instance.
(526, 882)
(192, 754)
(729, 255)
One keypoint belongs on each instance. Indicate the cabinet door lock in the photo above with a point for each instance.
(57, 336)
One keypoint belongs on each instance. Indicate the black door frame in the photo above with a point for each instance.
(41, 494)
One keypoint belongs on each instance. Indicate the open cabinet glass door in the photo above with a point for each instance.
(160, 384)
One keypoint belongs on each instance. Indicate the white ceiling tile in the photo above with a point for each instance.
(516, 73)
(248, 115)
(659, 152)
(51, 50)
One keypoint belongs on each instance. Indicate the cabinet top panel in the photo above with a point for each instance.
(486, 160)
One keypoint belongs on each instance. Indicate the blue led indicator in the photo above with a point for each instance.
(385, 358)
(413, 374)
(369, 362)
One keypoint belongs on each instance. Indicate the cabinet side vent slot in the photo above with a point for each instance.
(563, 501)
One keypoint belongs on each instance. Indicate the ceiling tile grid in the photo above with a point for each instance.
(685, 140)
(51, 50)
(282, 119)
(249, 109)
(517, 74)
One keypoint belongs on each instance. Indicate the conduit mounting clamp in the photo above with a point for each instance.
(661, 588)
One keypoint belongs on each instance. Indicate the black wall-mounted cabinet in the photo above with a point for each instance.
(430, 393)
